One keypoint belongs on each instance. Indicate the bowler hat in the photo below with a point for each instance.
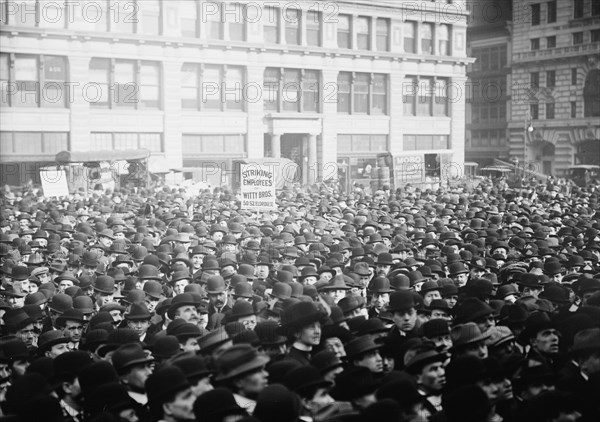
(17, 318)
(215, 284)
(104, 284)
(471, 309)
(210, 341)
(304, 379)
(379, 285)
(325, 361)
(435, 327)
(129, 355)
(350, 303)
(535, 323)
(354, 382)
(267, 332)
(425, 355)
(586, 340)
(194, 367)
(112, 397)
(241, 308)
(385, 258)
(153, 289)
(465, 334)
(239, 359)
(70, 315)
(401, 300)
(148, 272)
(138, 312)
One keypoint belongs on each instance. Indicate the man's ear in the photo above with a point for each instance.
(67, 387)
(167, 409)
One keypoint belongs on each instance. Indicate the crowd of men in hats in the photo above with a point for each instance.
(405, 306)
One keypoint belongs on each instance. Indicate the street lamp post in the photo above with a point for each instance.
(528, 130)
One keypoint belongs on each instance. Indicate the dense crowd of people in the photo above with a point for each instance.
(404, 306)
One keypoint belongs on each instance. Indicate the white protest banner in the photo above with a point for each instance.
(54, 183)
(258, 187)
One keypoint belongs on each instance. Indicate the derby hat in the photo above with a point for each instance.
(210, 341)
(148, 272)
(138, 312)
(239, 359)
(50, 338)
(401, 300)
(60, 303)
(360, 346)
(70, 315)
(305, 379)
(164, 383)
(379, 285)
(300, 315)
(587, 340)
(104, 284)
(241, 308)
(153, 289)
(215, 284)
(182, 299)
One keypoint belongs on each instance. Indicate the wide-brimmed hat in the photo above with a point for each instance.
(471, 309)
(213, 339)
(586, 340)
(194, 367)
(424, 356)
(305, 378)
(300, 315)
(239, 359)
(351, 303)
(465, 334)
(182, 299)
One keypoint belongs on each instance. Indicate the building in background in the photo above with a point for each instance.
(203, 83)
(551, 74)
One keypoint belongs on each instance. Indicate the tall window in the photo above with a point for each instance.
(292, 26)
(379, 97)
(344, 82)
(4, 79)
(408, 33)
(190, 86)
(210, 84)
(343, 32)
(123, 17)
(291, 89)
(188, 14)
(148, 14)
(236, 22)
(271, 89)
(577, 38)
(534, 80)
(578, 8)
(574, 76)
(551, 42)
(443, 40)
(125, 83)
(591, 98)
(534, 111)
(29, 143)
(194, 145)
(425, 95)
(595, 8)
(551, 78)
(313, 28)
(552, 11)
(595, 35)
(362, 33)
(426, 35)
(100, 83)
(310, 90)
(149, 85)
(214, 24)
(383, 34)
(361, 93)
(54, 92)
(233, 86)
(27, 81)
(270, 21)
(549, 110)
(535, 14)
(535, 43)
(409, 95)
(440, 105)
(573, 109)
(127, 140)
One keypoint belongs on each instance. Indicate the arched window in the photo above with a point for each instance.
(591, 94)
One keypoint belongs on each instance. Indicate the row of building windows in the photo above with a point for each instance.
(29, 143)
(228, 21)
(425, 96)
(579, 8)
(492, 112)
(425, 142)
(213, 144)
(489, 58)
(127, 140)
(577, 37)
(362, 143)
(548, 10)
(536, 12)
(487, 90)
(486, 138)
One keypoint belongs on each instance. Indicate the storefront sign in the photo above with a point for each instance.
(257, 187)
(408, 169)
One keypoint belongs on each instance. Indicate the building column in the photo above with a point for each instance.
(312, 159)
(276, 145)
